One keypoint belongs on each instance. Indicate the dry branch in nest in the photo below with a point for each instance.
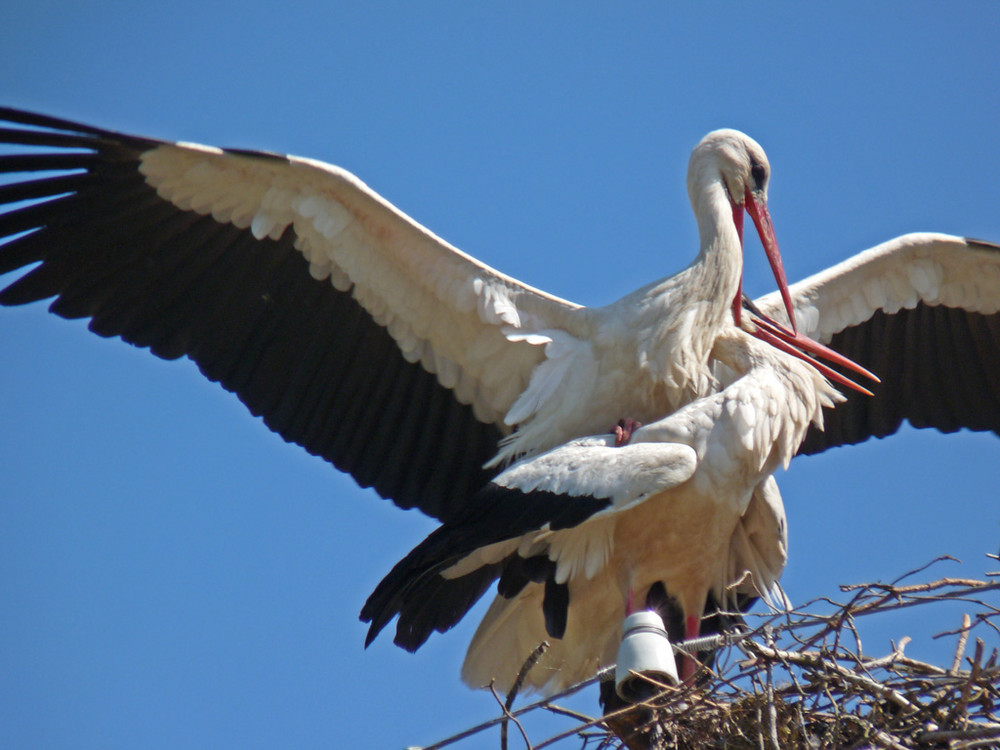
(801, 680)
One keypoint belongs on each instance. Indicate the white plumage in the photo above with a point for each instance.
(690, 505)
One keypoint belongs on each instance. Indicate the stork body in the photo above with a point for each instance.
(688, 505)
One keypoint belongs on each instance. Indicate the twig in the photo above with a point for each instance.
(528, 665)
(951, 735)
(963, 637)
(506, 718)
(772, 712)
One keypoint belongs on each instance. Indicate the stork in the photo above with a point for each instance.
(577, 533)
(277, 274)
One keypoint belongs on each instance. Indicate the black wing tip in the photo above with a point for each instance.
(427, 605)
(90, 134)
(404, 639)
(555, 606)
(39, 124)
(981, 244)
(38, 120)
(395, 593)
(374, 629)
(425, 601)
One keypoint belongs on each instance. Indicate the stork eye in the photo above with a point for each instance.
(759, 175)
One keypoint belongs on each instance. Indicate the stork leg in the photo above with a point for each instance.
(630, 602)
(689, 664)
(623, 431)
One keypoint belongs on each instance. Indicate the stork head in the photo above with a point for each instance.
(740, 164)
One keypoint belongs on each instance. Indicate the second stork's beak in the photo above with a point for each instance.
(772, 332)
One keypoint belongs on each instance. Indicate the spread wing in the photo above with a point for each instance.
(351, 329)
(921, 311)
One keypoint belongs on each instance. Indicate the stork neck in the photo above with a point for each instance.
(717, 269)
(676, 320)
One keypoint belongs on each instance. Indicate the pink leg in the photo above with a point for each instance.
(630, 602)
(623, 431)
(692, 625)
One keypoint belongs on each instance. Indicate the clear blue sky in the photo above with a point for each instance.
(173, 575)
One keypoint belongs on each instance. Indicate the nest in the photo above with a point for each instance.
(802, 680)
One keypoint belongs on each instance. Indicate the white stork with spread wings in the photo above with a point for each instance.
(350, 328)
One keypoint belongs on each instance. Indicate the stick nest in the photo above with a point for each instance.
(800, 679)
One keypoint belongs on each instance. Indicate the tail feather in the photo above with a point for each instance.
(513, 628)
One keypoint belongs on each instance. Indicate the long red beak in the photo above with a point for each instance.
(771, 332)
(762, 220)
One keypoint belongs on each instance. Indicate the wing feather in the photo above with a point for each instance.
(549, 507)
(922, 311)
(351, 329)
(407, 278)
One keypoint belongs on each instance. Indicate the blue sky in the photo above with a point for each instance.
(174, 575)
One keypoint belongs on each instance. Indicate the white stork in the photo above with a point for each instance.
(588, 531)
(560, 530)
(278, 275)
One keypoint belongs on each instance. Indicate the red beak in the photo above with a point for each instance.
(762, 220)
(771, 332)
